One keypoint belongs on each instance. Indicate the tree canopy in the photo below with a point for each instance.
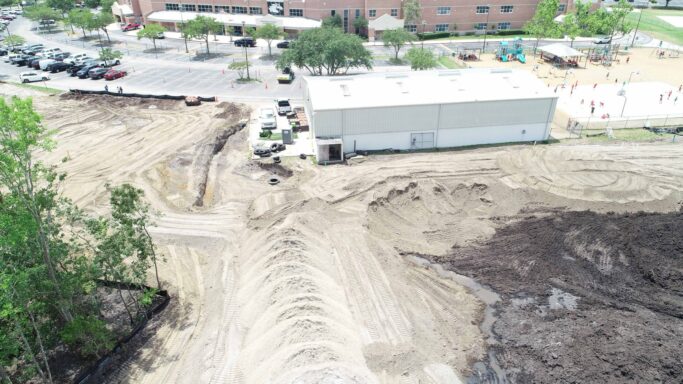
(326, 51)
(151, 32)
(52, 254)
(334, 21)
(201, 27)
(543, 24)
(268, 32)
(421, 59)
(397, 38)
(81, 18)
(412, 12)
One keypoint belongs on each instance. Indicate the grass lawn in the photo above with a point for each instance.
(448, 62)
(277, 136)
(480, 37)
(656, 27)
(627, 135)
(42, 88)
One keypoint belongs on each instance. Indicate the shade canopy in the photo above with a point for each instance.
(561, 50)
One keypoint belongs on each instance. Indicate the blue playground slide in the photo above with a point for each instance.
(521, 58)
(504, 58)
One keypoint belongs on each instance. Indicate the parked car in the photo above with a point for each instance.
(267, 118)
(75, 58)
(283, 44)
(21, 60)
(130, 27)
(60, 56)
(245, 42)
(603, 40)
(26, 77)
(33, 48)
(114, 74)
(4, 51)
(97, 73)
(45, 62)
(286, 77)
(35, 63)
(83, 73)
(58, 66)
(283, 106)
(50, 51)
(10, 56)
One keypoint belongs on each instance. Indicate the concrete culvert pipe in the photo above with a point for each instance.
(273, 181)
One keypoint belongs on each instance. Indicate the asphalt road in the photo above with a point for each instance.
(172, 71)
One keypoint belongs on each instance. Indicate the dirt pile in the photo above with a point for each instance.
(120, 102)
(588, 297)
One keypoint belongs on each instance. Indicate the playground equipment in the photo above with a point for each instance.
(507, 53)
(604, 55)
(469, 54)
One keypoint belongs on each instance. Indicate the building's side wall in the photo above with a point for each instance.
(462, 16)
(453, 125)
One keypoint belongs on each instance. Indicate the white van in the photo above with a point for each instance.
(26, 77)
(44, 63)
(75, 58)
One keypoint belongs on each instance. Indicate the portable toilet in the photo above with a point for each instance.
(287, 136)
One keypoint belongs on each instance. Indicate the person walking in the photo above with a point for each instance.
(106, 88)
(661, 97)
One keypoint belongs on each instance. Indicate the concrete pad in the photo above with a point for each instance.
(639, 100)
(676, 21)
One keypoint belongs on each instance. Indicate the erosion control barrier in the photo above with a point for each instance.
(93, 374)
(140, 95)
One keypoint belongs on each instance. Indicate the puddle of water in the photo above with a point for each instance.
(484, 372)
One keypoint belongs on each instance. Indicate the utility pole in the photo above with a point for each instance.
(486, 28)
(246, 57)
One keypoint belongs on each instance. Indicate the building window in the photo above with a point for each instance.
(372, 13)
(296, 12)
(357, 13)
(255, 11)
(443, 10)
(562, 8)
(441, 28)
(333, 12)
(411, 28)
(205, 8)
(480, 26)
(189, 7)
(172, 7)
(505, 25)
(346, 21)
(506, 9)
(239, 10)
(394, 12)
(482, 9)
(222, 8)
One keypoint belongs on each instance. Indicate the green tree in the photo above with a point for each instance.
(41, 13)
(92, 4)
(570, 27)
(412, 12)
(101, 21)
(361, 26)
(239, 67)
(543, 24)
(583, 15)
(326, 50)
(151, 32)
(63, 6)
(334, 21)
(421, 59)
(268, 32)
(106, 5)
(83, 19)
(110, 56)
(202, 27)
(397, 38)
(14, 40)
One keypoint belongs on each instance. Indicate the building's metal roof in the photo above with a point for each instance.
(298, 23)
(423, 88)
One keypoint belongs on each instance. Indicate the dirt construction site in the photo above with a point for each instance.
(556, 263)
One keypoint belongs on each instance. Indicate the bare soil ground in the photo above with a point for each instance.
(309, 281)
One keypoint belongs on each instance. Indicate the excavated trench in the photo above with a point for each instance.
(207, 151)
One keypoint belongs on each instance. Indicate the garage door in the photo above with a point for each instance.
(422, 140)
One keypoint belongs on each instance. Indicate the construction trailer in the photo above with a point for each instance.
(426, 109)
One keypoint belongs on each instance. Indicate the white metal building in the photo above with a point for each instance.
(427, 109)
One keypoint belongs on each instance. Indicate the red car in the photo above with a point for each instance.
(130, 27)
(114, 74)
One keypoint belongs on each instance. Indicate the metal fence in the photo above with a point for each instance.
(576, 126)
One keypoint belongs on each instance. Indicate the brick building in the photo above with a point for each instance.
(294, 15)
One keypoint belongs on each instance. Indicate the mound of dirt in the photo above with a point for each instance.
(119, 102)
(232, 111)
(588, 297)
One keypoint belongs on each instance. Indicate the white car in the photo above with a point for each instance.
(267, 117)
(26, 77)
(44, 63)
(9, 57)
(77, 59)
(51, 50)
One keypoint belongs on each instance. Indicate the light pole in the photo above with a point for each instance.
(486, 27)
(632, 73)
(624, 107)
(422, 40)
(638, 24)
(244, 44)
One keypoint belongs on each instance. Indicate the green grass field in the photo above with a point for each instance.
(41, 88)
(448, 62)
(656, 27)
